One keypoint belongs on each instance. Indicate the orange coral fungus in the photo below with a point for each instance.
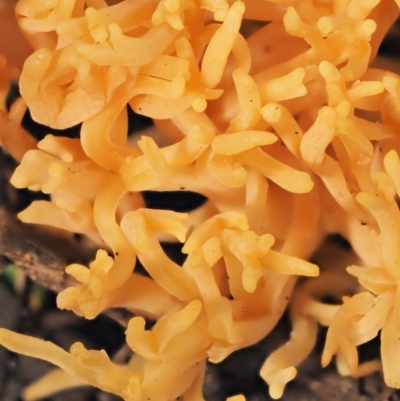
(289, 131)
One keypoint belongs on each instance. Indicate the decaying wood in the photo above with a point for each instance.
(42, 253)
